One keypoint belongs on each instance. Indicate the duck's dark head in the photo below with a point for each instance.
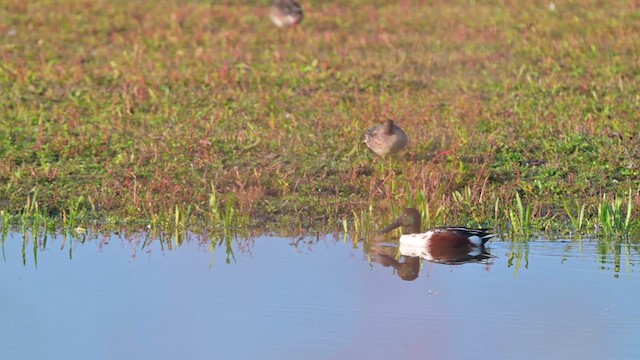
(388, 127)
(409, 220)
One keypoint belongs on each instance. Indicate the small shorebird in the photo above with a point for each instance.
(285, 13)
(441, 244)
(386, 139)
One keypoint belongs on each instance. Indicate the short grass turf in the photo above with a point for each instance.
(129, 109)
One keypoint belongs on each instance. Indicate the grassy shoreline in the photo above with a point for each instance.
(135, 111)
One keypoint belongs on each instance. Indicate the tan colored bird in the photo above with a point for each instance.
(286, 13)
(386, 139)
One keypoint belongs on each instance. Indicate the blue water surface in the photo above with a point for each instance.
(112, 299)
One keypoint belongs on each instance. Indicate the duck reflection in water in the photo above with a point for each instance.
(408, 268)
(444, 245)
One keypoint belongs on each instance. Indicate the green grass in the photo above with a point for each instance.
(140, 112)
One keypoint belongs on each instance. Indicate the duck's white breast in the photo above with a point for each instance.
(416, 239)
(415, 251)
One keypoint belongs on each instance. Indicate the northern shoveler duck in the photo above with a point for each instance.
(386, 138)
(285, 13)
(445, 244)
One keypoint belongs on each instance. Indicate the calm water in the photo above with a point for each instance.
(321, 299)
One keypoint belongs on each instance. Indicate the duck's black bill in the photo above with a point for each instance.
(396, 224)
